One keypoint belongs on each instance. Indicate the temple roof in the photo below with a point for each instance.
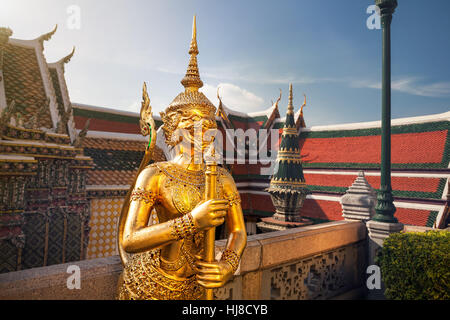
(32, 83)
(23, 82)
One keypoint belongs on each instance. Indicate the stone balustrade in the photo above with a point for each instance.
(313, 262)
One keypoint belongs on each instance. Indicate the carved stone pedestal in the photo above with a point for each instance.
(378, 232)
(288, 203)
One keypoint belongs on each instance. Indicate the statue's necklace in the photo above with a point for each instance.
(186, 187)
(193, 178)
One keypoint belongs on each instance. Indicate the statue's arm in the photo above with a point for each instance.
(237, 238)
(138, 236)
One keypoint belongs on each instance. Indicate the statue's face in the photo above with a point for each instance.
(197, 128)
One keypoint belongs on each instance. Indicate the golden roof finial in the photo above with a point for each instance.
(290, 108)
(191, 80)
(303, 105)
(47, 36)
(67, 58)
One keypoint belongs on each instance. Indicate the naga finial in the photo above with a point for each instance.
(278, 100)
(303, 105)
(67, 58)
(220, 100)
(47, 36)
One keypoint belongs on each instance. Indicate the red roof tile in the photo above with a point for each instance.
(107, 125)
(114, 144)
(398, 183)
(423, 147)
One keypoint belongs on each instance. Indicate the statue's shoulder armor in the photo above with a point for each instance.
(230, 191)
(153, 168)
(225, 173)
(164, 167)
(161, 165)
(148, 176)
(227, 180)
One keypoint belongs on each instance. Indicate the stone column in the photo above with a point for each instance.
(378, 231)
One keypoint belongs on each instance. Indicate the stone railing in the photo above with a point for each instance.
(315, 262)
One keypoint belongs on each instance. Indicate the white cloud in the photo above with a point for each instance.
(437, 89)
(244, 73)
(409, 85)
(365, 84)
(234, 97)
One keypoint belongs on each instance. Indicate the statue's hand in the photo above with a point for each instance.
(213, 274)
(210, 213)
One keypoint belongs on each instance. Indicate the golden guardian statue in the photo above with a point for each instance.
(166, 227)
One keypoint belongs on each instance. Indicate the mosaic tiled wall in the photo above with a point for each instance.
(104, 219)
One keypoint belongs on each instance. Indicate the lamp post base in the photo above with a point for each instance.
(385, 207)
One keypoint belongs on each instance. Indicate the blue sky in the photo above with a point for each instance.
(250, 48)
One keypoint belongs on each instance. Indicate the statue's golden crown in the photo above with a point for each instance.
(189, 100)
(191, 97)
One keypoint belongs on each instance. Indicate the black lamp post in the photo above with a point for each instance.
(385, 208)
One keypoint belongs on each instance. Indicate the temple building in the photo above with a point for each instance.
(65, 168)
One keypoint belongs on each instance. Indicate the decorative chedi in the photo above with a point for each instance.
(166, 227)
(287, 186)
(359, 201)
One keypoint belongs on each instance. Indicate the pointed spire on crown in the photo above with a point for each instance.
(193, 49)
(191, 80)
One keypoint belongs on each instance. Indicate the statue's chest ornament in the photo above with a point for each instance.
(186, 197)
(186, 188)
